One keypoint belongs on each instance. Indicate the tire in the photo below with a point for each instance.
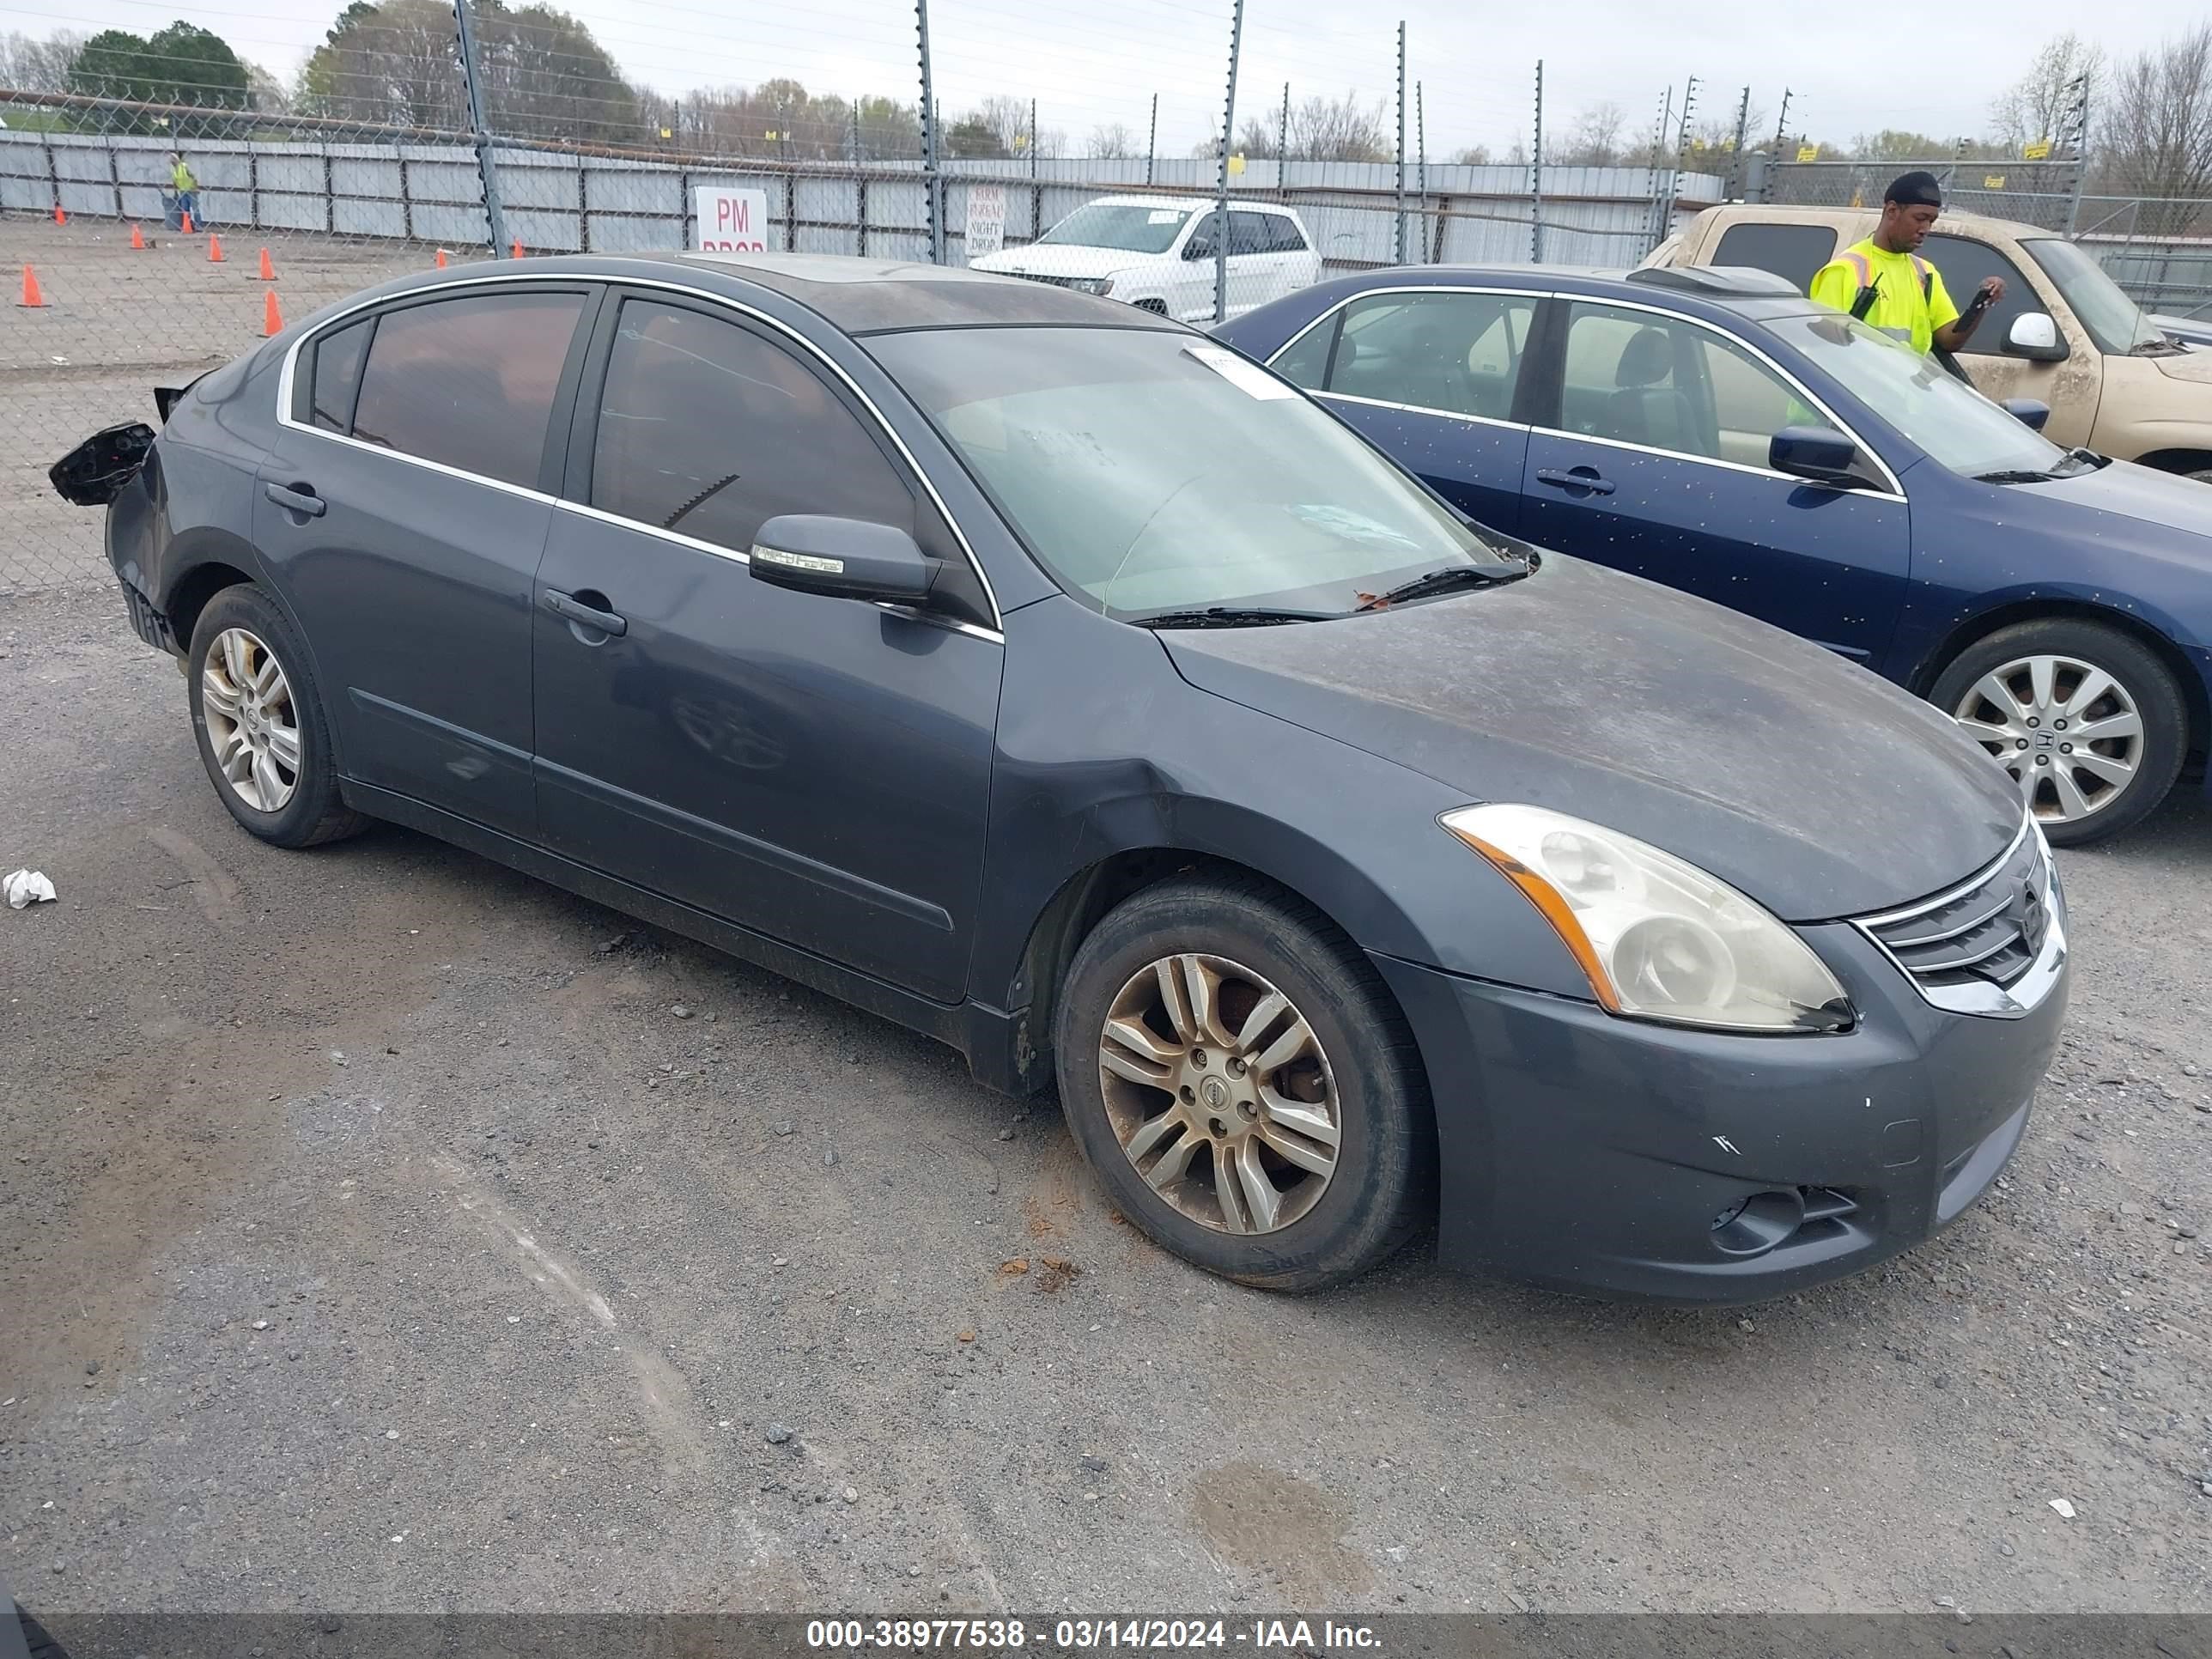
(2016, 733)
(1365, 1074)
(291, 804)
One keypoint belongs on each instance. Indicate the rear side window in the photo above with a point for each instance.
(1457, 353)
(468, 382)
(1963, 263)
(336, 376)
(1792, 253)
(707, 429)
(1247, 233)
(1284, 235)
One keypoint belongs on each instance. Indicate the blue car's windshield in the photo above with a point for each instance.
(1152, 470)
(1952, 422)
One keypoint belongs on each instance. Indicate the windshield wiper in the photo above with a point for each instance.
(1229, 616)
(1451, 576)
(2015, 475)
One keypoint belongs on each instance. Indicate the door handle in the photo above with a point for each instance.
(296, 499)
(584, 615)
(1581, 477)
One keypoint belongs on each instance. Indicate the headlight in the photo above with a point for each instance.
(1094, 285)
(1659, 938)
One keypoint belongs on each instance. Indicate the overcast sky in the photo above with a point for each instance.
(1850, 68)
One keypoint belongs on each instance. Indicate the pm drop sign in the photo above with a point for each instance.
(731, 221)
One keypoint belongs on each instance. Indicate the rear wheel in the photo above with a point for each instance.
(2087, 722)
(1237, 1078)
(262, 736)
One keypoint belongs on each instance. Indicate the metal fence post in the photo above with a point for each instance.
(1536, 177)
(480, 130)
(1398, 239)
(1735, 151)
(1228, 137)
(2080, 122)
(932, 185)
(1153, 143)
(583, 208)
(1283, 150)
(54, 176)
(406, 195)
(1421, 168)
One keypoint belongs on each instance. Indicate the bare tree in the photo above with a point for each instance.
(1594, 141)
(2035, 106)
(2157, 127)
(1474, 155)
(270, 96)
(32, 65)
(1340, 130)
(1111, 142)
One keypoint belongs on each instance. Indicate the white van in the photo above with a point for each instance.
(1157, 251)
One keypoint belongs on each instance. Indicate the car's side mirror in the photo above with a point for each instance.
(2029, 412)
(844, 558)
(1818, 452)
(2033, 335)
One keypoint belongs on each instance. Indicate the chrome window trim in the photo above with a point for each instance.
(284, 395)
(1988, 1001)
(1416, 408)
(1895, 492)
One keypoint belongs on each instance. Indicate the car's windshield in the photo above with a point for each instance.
(2115, 322)
(1954, 423)
(1120, 225)
(1154, 471)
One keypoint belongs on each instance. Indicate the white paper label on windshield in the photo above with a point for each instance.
(1163, 215)
(1253, 382)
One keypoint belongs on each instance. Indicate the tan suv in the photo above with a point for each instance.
(2064, 334)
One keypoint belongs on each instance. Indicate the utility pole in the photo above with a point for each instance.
(933, 184)
(1536, 176)
(480, 130)
(1398, 242)
(1153, 143)
(1736, 150)
(1228, 135)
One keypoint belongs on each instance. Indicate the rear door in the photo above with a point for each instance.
(1648, 454)
(1300, 265)
(405, 507)
(1254, 267)
(1433, 377)
(817, 769)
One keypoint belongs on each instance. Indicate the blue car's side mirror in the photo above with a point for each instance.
(2028, 411)
(1818, 452)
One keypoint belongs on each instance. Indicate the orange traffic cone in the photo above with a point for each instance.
(188, 224)
(272, 320)
(60, 218)
(215, 249)
(138, 238)
(515, 253)
(31, 295)
(268, 271)
(441, 258)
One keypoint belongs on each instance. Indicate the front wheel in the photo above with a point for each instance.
(1237, 1078)
(2088, 723)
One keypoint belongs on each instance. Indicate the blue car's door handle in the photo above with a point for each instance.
(1581, 477)
(585, 615)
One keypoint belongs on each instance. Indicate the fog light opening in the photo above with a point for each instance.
(1758, 1223)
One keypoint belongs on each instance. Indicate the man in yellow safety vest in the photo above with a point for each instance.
(1885, 282)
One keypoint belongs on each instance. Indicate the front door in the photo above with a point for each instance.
(1654, 463)
(402, 503)
(816, 769)
(2069, 386)
(1433, 378)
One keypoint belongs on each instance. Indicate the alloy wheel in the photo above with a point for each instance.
(2069, 733)
(252, 726)
(1220, 1093)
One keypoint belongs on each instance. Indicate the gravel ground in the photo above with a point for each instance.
(381, 1230)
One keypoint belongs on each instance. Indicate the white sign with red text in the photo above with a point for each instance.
(731, 221)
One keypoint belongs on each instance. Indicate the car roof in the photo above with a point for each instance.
(1192, 203)
(1950, 219)
(856, 296)
(1583, 282)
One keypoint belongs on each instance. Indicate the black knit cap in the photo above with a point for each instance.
(1916, 188)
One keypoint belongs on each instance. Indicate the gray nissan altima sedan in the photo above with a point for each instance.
(1049, 679)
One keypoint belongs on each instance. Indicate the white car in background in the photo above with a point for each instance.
(1159, 253)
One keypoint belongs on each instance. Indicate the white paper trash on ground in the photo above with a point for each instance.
(26, 887)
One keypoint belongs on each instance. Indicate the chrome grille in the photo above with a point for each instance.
(1989, 932)
(1039, 277)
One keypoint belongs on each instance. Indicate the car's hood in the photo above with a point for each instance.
(1808, 783)
(2194, 366)
(2169, 501)
(1069, 259)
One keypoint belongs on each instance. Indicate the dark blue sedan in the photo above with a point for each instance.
(1715, 431)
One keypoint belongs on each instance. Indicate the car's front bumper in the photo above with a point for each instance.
(1596, 1153)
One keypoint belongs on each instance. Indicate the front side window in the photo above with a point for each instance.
(707, 429)
(1459, 353)
(1963, 263)
(1131, 229)
(1153, 473)
(469, 382)
(1663, 382)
